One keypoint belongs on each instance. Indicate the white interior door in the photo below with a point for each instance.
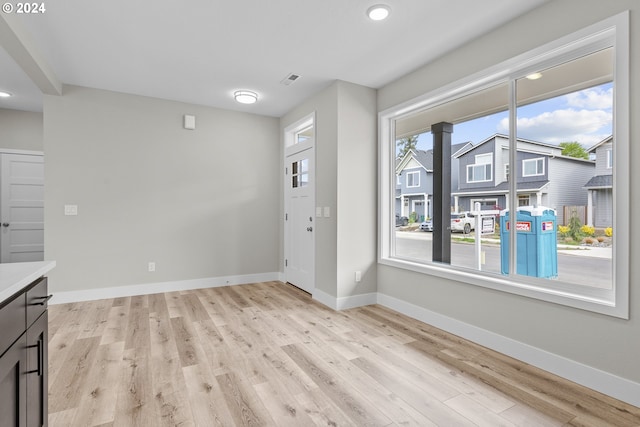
(299, 219)
(21, 207)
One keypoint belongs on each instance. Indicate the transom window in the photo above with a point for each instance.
(505, 116)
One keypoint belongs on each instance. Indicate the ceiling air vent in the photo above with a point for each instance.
(290, 79)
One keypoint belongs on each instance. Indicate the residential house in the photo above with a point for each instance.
(414, 185)
(414, 181)
(600, 186)
(544, 177)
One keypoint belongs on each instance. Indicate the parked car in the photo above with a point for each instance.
(463, 221)
(426, 225)
(401, 220)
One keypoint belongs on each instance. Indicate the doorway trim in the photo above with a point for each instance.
(293, 146)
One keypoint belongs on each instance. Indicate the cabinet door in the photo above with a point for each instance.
(37, 366)
(13, 390)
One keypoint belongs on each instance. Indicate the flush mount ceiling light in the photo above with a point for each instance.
(378, 12)
(5, 94)
(245, 96)
(534, 76)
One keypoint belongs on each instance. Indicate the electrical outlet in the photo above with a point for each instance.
(358, 276)
(152, 267)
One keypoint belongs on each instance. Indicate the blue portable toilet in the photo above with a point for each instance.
(536, 241)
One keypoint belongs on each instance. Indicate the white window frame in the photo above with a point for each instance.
(609, 158)
(526, 161)
(613, 31)
(506, 171)
(413, 173)
(481, 164)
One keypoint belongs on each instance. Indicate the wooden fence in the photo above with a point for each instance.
(571, 211)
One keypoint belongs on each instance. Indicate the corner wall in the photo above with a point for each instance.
(346, 183)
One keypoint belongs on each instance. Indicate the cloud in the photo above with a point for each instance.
(563, 125)
(592, 99)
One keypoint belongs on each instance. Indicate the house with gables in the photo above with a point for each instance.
(414, 181)
(544, 176)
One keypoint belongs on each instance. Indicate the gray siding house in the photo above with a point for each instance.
(600, 186)
(414, 184)
(414, 181)
(544, 177)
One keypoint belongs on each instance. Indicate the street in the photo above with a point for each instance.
(573, 265)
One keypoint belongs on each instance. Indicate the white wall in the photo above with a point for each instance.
(357, 189)
(346, 183)
(20, 130)
(200, 203)
(602, 342)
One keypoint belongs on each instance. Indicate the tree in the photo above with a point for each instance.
(406, 144)
(574, 149)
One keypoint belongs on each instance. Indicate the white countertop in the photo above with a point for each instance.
(17, 275)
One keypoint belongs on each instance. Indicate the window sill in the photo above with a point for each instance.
(596, 300)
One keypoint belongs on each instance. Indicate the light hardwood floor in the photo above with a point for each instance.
(267, 354)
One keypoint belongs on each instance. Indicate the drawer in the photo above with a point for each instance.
(37, 298)
(12, 321)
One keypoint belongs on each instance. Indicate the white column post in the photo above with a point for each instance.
(590, 208)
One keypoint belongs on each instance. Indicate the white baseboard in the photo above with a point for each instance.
(154, 288)
(344, 303)
(604, 382)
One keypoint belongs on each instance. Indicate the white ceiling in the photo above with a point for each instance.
(200, 51)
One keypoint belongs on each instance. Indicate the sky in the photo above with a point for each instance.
(585, 116)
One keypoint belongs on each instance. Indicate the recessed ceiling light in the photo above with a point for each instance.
(378, 12)
(245, 96)
(534, 76)
(5, 94)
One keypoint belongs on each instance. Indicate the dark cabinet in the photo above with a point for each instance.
(37, 384)
(24, 357)
(13, 386)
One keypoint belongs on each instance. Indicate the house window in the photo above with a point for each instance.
(300, 173)
(480, 171)
(533, 167)
(506, 171)
(413, 179)
(398, 182)
(609, 158)
(519, 108)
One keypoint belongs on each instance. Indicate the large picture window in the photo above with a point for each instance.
(544, 226)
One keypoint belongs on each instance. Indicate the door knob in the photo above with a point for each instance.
(309, 228)
(5, 224)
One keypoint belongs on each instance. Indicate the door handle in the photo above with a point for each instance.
(309, 228)
(5, 224)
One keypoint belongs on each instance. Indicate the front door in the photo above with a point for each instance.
(21, 207)
(299, 220)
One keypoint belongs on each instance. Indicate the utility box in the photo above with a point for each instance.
(536, 239)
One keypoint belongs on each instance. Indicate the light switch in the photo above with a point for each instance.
(327, 212)
(71, 209)
(318, 211)
(189, 122)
